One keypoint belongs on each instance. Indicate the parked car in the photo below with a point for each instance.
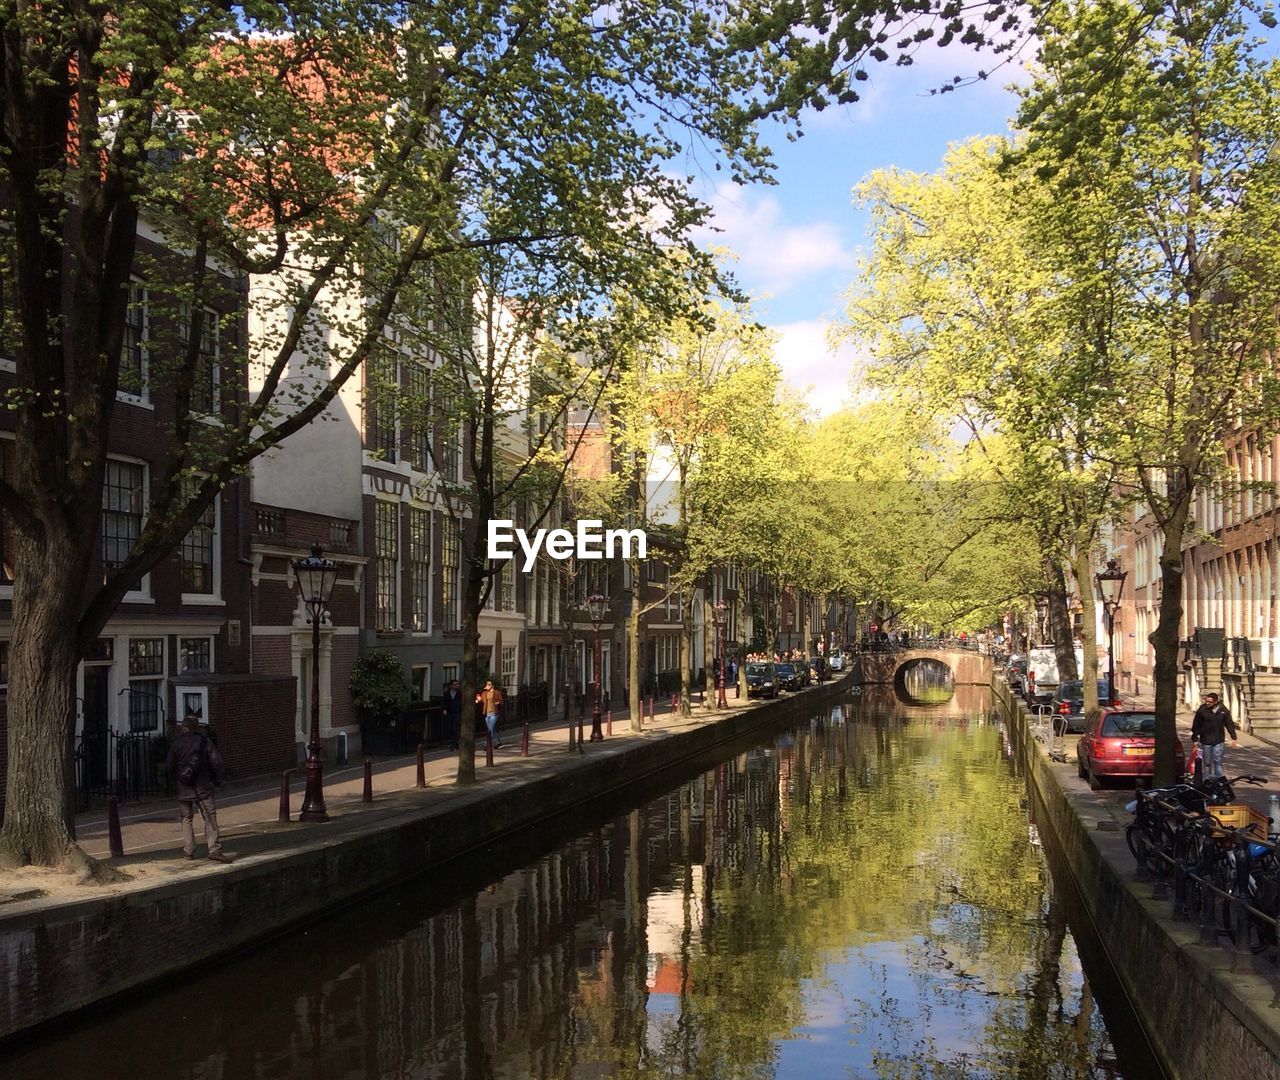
(762, 680)
(1120, 744)
(1015, 673)
(790, 676)
(1068, 705)
(836, 661)
(818, 669)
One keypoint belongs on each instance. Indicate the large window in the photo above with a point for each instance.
(204, 385)
(386, 544)
(418, 406)
(199, 550)
(123, 496)
(133, 352)
(382, 393)
(146, 683)
(420, 568)
(450, 435)
(509, 667)
(449, 563)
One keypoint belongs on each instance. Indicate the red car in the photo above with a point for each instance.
(1120, 744)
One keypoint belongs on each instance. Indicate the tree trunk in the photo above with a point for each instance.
(1164, 638)
(686, 657)
(635, 691)
(709, 649)
(1082, 568)
(39, 822)
(1064, 645)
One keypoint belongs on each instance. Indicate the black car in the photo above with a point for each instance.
(1068, 705)
(762, 680)
(790, 676)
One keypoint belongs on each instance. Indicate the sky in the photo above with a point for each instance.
(797, 242)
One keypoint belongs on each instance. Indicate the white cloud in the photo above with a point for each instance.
(812, 366)
(773, 256)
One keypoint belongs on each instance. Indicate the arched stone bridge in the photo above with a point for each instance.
(968, 668)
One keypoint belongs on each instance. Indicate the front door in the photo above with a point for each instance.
(97, 722)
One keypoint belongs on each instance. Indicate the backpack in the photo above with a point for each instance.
(185, 774)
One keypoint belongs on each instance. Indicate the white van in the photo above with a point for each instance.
(1042, 673)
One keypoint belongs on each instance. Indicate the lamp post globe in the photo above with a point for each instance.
(1111, 588)
(595, 608)
(720, 613)
(316, 576)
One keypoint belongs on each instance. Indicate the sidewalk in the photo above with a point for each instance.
(1254, 755)
(249, 810)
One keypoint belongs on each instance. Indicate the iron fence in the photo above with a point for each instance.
(128, 765)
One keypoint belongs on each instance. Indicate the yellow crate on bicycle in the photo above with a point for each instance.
(1240, 816)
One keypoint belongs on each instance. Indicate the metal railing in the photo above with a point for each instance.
(1232, 911)
(128, 766)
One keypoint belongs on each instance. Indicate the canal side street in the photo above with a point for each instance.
(1209, 1010)
(79, 945)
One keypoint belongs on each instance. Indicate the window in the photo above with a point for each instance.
(386, 543)
(450, 673)
(123, 493)
(451, 436)
(195, 654)
(381, 394)
(204, 384)
(449, 563)
(507, 601)
(4, 667)
(133, 351)
(508, 666)
(199, 549)
(193, 701)
(420, 681)
(420, 568)
(146, 680)
(418, 405)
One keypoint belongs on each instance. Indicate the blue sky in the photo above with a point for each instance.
(798, 242)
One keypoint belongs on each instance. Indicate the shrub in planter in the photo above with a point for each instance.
(380, 690)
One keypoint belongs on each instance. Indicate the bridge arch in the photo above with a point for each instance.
(926, 680)
(969, 668)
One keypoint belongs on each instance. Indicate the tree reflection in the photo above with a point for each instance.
(860, 896)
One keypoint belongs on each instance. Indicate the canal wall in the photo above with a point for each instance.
(1208, 1013)
(57, 958)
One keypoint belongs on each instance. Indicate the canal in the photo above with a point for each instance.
(862, 895)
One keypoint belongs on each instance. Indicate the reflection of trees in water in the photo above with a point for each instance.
(928, 681)
(681, 939)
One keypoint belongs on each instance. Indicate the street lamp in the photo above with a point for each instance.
(1042, 616)
(595, 607)
(721, 615)
(1110, 586)
(316, 576)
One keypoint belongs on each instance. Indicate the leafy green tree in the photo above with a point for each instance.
(273, 141)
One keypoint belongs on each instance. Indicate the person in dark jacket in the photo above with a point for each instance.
(1211, 725)
(196, 766)
(453, 713)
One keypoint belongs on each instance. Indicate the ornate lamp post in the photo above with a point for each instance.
(595, 607)
(1110, 587)
(316, 576)
(720, 613)
(1042, 616)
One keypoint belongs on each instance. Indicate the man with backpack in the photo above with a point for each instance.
(196, 766)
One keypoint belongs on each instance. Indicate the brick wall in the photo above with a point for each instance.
(253, 718)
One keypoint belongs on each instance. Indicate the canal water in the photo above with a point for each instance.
(862, 895)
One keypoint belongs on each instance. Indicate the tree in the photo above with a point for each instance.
(1164, 143)
(286, 143)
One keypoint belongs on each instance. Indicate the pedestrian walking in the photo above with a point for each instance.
(453, 713)
(1210, 726)
(196, 768)
(490, 701)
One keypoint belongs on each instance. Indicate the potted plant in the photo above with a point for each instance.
(380, 690)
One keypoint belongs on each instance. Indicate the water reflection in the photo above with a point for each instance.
(859, 896)
(926, 682)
